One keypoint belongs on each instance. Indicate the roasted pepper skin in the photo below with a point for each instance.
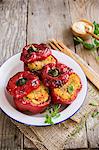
(26, 67)
(56, 99)
(42, 53)
(25, 105)
(19, 91)
(57, 81)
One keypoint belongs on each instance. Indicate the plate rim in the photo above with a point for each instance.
(56, 121)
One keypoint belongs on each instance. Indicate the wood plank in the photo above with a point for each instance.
(13, 37)
(49, 19)
(10, 136)
(12, 27)
(87, 9)
(93, 131)
(29, 144)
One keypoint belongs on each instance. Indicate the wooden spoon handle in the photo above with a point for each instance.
(92, 34)
(90, 73)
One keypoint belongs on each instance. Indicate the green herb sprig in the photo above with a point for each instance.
(96, 26)
(94, 114)
(53, 112)
(97, 58)
(94, 103)
(70, 89)
(85, 44)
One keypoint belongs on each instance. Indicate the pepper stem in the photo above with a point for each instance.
(32, 49)
(21, 82)
(54, 72)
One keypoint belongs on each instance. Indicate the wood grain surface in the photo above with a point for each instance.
(27, 21)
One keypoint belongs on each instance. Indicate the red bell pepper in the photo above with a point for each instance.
(35, 52)
(55, 75)
(25, 105)
(66, 94)
(26, 67)
(22, 83)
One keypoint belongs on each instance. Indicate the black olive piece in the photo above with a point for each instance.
(58, 83)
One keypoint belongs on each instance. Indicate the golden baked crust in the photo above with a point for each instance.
(38, 65)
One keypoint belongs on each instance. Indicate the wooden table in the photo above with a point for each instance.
(27, 21)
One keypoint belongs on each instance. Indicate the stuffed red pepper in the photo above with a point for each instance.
(28, 92)
(67, 93)
(36, 101)
(35, 56)
(55, 75)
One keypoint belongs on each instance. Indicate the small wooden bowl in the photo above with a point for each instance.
(83, 34)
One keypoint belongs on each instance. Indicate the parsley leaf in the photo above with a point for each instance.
(48, 119)
(70, 89)
(96, 42)
(94, 114)
(77, 40)
(96, 25)
(53, 112)
(94, 103)
(97, 58)
(88, 45)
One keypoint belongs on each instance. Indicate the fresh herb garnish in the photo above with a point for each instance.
(85, 44)
(96, 42)
(94, 103)
(53, 112)
(70, 88)
(77, 40)
(95, 113)
(88, 45)
(97, 58)
(96, 26)
(48, 119)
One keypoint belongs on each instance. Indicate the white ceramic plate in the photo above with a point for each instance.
(14, 65)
